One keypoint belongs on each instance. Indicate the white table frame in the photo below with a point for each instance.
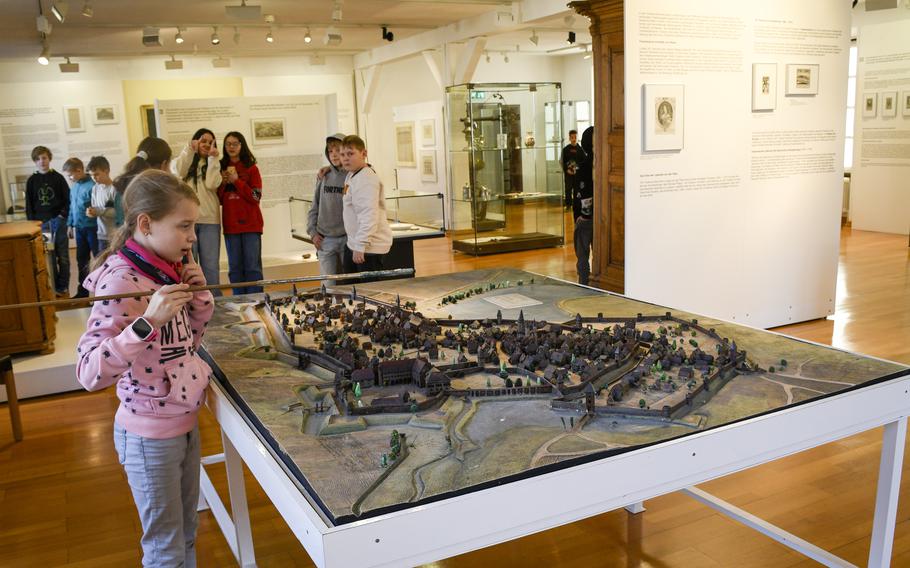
(453, 526)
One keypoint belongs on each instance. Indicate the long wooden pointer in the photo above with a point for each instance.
(90, 299)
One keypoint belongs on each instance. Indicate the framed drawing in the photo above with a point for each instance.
(105, 114)
(870, 105)
(764, 86)
(428, 132)
(802, 79)
(905, 104)
(889, 103)
(73, 119)
(268, 131)
(428, 165)
(664, 111)
(404, 145)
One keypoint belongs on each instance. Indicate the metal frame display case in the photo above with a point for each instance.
(504, 173)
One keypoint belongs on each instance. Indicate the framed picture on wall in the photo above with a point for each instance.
(870, 105)
(105, 114)
(428, 132)
(268, 131)
(802, 79)
(73, 119)
(889, 103)
(764, 86)
(664, 111)
(428, 166)
(404, 145)
(905, 104)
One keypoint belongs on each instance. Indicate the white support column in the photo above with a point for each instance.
(434, 68)
(370, 79)
(467, 62)
(889, 481)
(636, 508)
(239, 509)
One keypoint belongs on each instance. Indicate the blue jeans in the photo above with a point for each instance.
(244, 260)
(86, 248)
(207, 250)
(61, 264)
(331, 256)
(164, 479)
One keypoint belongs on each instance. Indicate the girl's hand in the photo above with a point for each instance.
(165, 304)
(191, 273)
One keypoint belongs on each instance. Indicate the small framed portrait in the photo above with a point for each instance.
(428, 166)
(764, 86)
(802, 79)
(905, 104)
(73, 119)
(870, 105)
(105, 114)
(404, 145)
(664, 113)
(428, 132)
(268, 131)
(888, 103)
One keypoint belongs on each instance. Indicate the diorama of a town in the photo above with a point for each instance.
(385, 394)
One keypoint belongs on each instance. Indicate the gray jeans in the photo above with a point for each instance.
(164, 479)
(584, 238)
(331, 256)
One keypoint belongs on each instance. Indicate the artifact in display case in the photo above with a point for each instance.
(504, 172)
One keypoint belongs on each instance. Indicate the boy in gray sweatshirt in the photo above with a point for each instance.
(325, 221)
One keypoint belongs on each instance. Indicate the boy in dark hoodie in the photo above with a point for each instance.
(583, 207)
(325, 223)
(47, 199)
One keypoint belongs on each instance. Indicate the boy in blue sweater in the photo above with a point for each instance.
(79, 222)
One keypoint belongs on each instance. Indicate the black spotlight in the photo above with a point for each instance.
(571, 38)
(386, 34)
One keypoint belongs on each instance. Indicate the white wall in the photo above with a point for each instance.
(716, 227)
(879, 196)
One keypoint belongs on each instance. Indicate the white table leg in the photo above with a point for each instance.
(239, 510)
(889, 480)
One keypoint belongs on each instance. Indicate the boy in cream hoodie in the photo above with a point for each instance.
(369, 236)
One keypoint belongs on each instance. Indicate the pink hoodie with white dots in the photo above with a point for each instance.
(160, 382)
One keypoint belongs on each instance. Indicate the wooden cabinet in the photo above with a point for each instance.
(23, 269)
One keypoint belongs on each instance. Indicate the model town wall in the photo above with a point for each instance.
(616, 358)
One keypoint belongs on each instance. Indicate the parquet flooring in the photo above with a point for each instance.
(64, 500)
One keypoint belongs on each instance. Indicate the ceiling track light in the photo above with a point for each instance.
(178, 37)
(45, 56)
(87, 9)
(59, 10)
(307, 38)
(215, 39)
(386, 34)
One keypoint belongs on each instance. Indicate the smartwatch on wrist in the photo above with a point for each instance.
(143, 329)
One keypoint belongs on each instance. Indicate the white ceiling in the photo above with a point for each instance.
(115, 30)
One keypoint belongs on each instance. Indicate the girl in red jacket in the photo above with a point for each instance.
(240, 192)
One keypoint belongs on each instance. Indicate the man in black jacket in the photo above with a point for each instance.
(572, 155)
(583, 207)
(47, 199)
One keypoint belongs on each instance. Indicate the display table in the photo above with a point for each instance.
(23, 265)
(726, 424)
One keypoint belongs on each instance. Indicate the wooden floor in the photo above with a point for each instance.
(64, 500)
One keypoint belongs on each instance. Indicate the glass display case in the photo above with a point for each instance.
(504, 173)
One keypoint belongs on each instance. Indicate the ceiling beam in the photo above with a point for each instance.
(508, 17)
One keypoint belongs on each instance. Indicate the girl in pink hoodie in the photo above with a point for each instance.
(147, 346)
